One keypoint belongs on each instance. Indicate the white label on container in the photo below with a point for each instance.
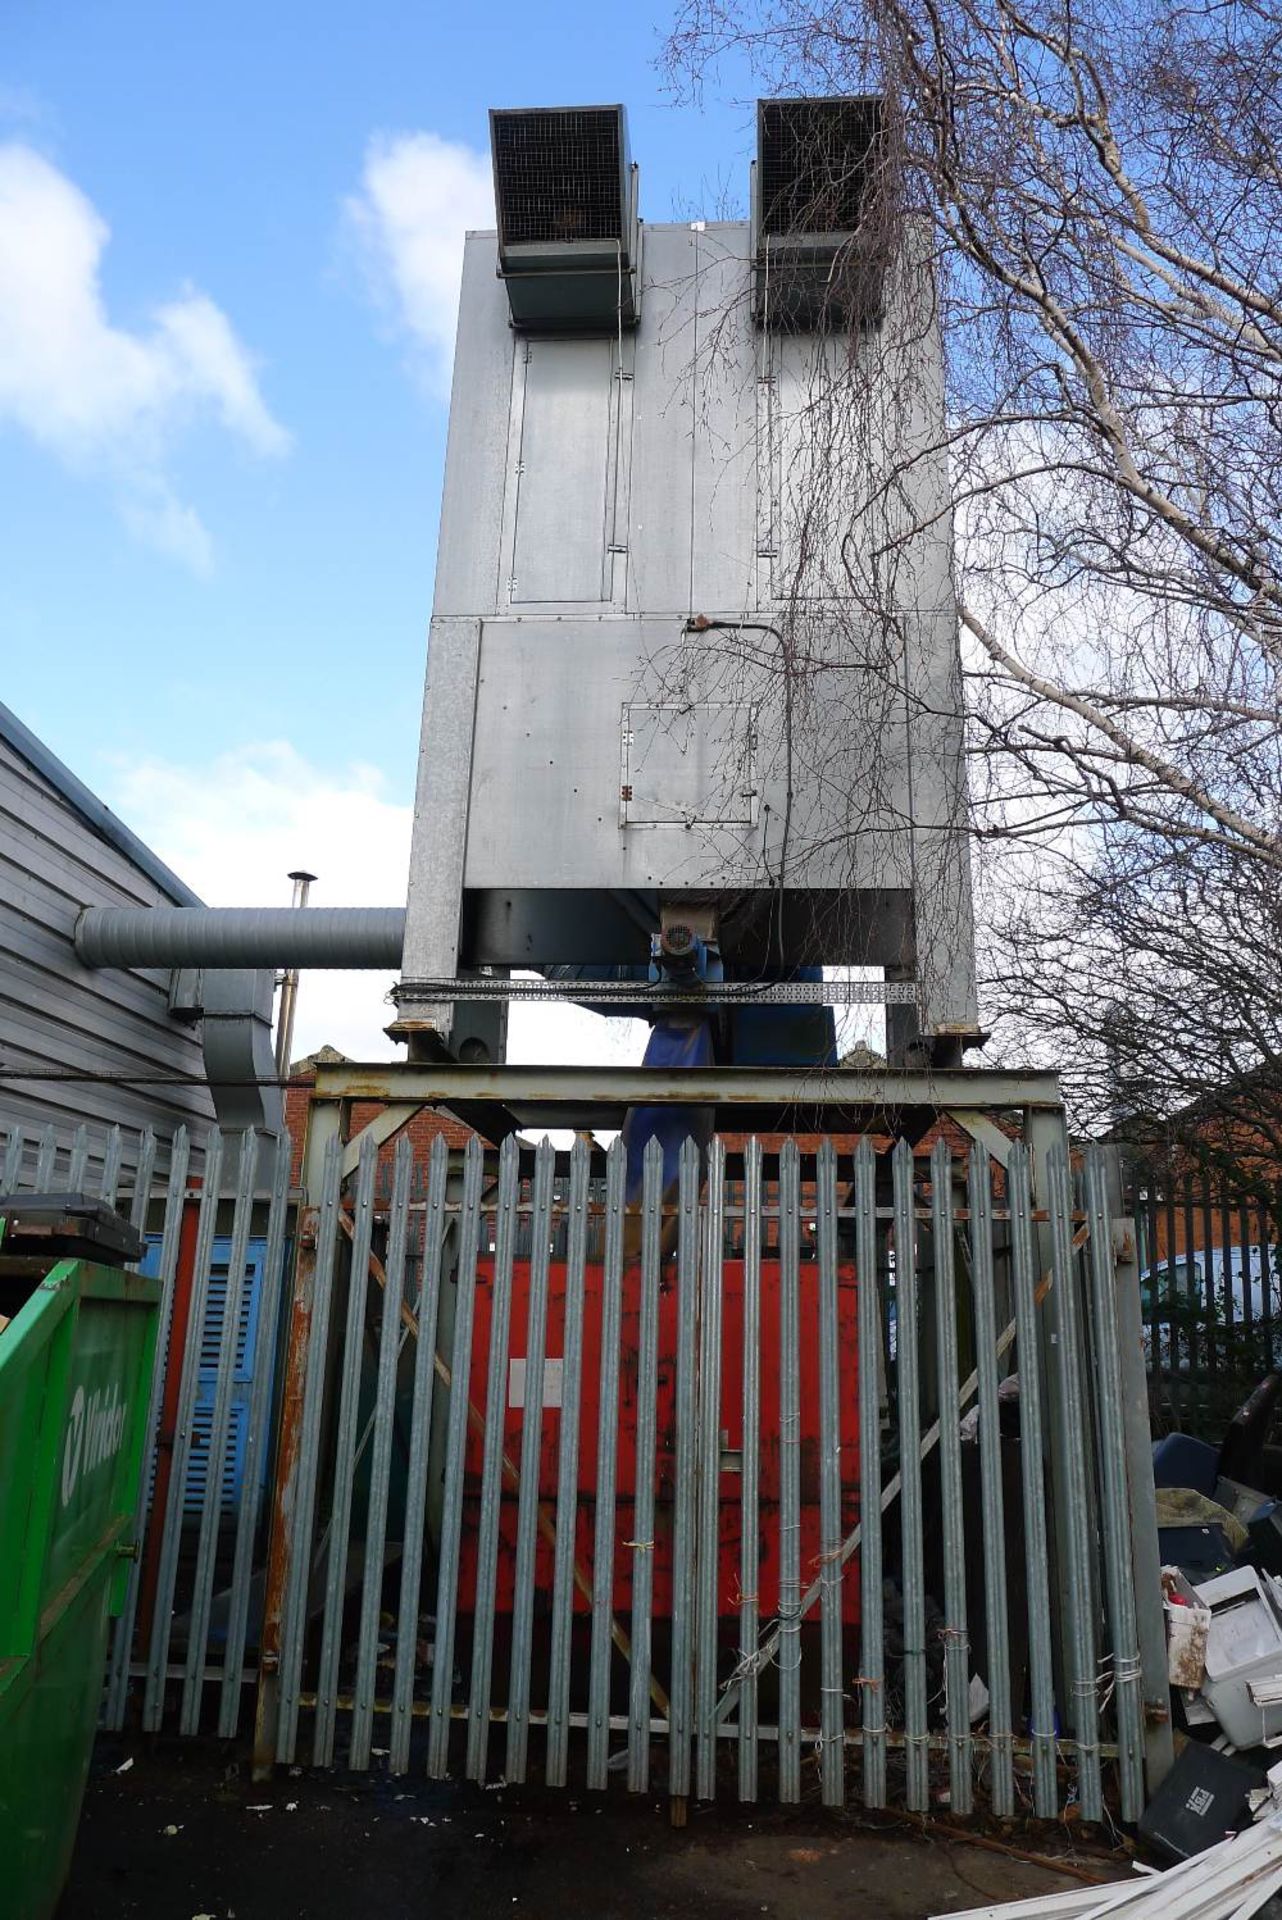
(95, 1430)
(553, 1372)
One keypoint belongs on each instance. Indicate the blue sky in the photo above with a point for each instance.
(226, 241)
(219, 145)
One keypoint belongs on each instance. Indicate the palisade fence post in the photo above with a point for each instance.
(1146, 1559)
(288, 1537)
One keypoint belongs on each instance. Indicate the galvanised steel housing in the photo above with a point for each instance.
(694, 633)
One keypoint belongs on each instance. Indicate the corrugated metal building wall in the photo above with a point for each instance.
(61, 850)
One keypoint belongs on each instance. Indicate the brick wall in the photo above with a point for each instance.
(422, 1129)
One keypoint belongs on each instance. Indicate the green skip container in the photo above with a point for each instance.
(75, 1371)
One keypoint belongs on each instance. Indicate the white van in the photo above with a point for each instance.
(1216, 1291)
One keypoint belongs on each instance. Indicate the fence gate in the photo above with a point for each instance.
(821, 1473)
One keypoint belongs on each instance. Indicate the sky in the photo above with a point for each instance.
(229, 249)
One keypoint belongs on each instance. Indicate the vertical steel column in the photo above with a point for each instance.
(1145, 1557)
(455, 1452)
(15, 1141)
(487, 1543)
(789, 1472)
(527, 1516)
(153, 1707)
(46, 1160)
(956, 1626)
(1117, 1553)
(1197, 1360)
(683, 1493)
(289, 1548)
(567, 1481)
(78, 1159)
(831, 1693)
(380, 1472)
(642, 1543)
(1024, 1276)
(992, 1497)
(616, 1177)
(256, 1442)
(340, 1516)
(750, 1524)
(1075, 1453)
(143, 1171)
(1045, 1131)
(707, 1550)
(122, 1644)
(180, 1331)
(916, 1735)
(872, 1660)
(245, 1160)
(1211, 1307)
(114, 1153)
(425, 1369)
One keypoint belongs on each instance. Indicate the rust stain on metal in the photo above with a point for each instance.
(280, 1535)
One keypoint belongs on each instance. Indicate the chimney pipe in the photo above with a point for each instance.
(289, 985)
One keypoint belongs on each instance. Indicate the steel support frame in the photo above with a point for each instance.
(978, 1101)
(584, 1097)
(549, 1090)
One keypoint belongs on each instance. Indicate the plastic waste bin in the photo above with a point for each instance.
(76, 1351)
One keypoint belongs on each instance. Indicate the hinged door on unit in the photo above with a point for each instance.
(689, 764)
(565, 501)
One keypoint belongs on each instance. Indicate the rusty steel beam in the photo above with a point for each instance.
(279, 1541)
(547, 1089)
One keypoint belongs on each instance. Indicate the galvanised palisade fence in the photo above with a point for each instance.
(216, 1220)
(821, 1471)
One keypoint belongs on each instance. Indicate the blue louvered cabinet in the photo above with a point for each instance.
(246, 1359)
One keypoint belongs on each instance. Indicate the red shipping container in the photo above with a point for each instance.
(729, 1585)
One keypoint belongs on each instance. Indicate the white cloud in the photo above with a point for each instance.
(153, 513)
(233, 827)
(418, 196)
(103, 399)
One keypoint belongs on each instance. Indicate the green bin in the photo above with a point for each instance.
(75, 1372)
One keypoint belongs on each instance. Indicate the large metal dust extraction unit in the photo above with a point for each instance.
(693, 670)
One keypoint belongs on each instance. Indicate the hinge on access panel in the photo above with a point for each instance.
(615, 547)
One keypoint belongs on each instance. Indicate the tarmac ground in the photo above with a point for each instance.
(181, 1833)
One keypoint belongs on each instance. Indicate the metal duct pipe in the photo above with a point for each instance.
(213, 937)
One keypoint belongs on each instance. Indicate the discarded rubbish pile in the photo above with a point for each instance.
(1224, 1652)
(1226, 1882)
(1218, 1814)
(1221, 1540)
